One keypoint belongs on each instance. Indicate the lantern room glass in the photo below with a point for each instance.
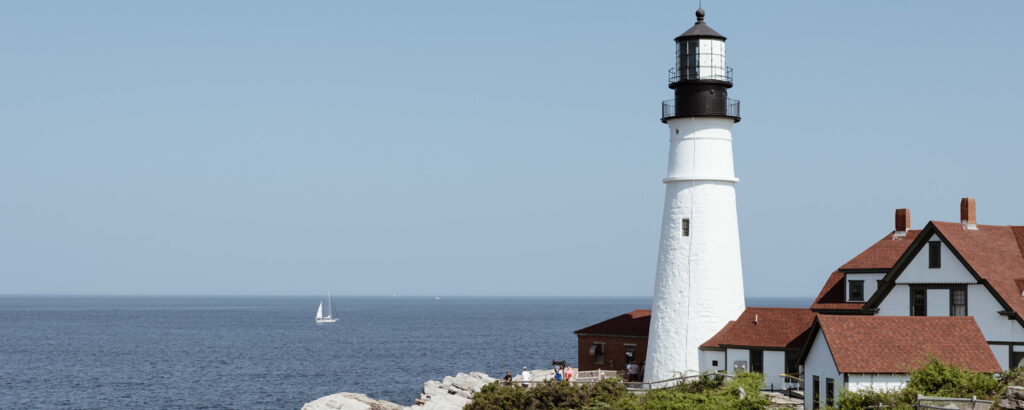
(701, 59)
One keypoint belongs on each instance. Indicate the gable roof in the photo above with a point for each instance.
(897, 344)
(833, 295)
(770, 327)
(993, 254)
(883, 254)
(879, 257)
(635, 323)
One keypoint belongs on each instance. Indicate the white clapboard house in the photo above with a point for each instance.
(949, 280)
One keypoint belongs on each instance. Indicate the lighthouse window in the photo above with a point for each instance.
(686, 227)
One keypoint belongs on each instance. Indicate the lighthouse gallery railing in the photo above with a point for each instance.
(732, 109)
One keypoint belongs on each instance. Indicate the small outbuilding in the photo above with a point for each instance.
(615, 342)
(766, 340)
(854, 352)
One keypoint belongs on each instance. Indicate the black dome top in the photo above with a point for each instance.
(700, 30)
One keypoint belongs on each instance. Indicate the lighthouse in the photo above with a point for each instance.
(699, 283)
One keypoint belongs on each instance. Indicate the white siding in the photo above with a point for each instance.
(951, 270)
(984, 307)
(707, 357)
(774, 365)
(819, 363)
(938, 302)
(877, 382)
(1002, 353)
(897, 302)
(735, 355)
(870, 283)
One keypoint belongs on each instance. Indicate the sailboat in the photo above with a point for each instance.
(331, 317)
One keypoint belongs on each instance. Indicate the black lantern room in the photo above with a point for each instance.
(701, 79)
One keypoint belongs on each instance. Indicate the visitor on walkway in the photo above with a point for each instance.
(558, 374)
(570, 376)
(526, 377)
(508, 378)
(632, 370)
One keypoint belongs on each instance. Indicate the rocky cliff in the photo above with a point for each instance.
(450, 393)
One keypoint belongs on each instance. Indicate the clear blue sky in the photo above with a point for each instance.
(477, 148)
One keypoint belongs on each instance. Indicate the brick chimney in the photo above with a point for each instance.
(968, 214)
(902, 221)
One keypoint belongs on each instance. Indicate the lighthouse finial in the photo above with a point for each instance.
(700, 15)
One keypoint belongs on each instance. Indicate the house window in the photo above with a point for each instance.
(934, 257)
(918, 302)
(856, 290)
(597, 350)
(792, 362)
(958, 302)
(830, 386)
(714, 363)
(815, 404)
(686, 227)
(757, 361)
(630, 353)
(1016, 358)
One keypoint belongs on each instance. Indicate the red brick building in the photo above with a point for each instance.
(615, 342)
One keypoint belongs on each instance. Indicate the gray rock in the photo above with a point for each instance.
(349, 401)
(448, 394)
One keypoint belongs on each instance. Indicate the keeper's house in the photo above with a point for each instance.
(615, 342)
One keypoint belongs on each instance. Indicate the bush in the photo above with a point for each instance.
(711, 394)
(706, 393)
(551, 395)
(938, 379)
(868, 399)
(1014, 377)
(934, 378)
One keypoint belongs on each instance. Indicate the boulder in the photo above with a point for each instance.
(350, 401)
(451, 393)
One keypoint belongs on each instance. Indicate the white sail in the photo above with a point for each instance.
(320, 311)
(330, 307)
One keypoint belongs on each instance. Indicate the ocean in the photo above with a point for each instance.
(266, 352)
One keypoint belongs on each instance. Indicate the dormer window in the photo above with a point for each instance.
(856, 290)
(934, 255)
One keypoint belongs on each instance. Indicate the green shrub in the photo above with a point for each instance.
(934, 378)
(939, 379)
(706, 393)
(869, 399)
(1014, 377)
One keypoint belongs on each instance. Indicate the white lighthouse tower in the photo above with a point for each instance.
(699, 283)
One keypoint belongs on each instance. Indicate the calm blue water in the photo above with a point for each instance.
(266, 352)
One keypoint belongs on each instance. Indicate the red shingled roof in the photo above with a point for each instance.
(775, 327)
(897, 344)
(881, 256)
(995, 253)
(884, 253)
(833, 295)
(635, 323)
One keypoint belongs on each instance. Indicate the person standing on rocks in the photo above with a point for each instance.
(570, 376)
(508, 378)
(526, 377)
